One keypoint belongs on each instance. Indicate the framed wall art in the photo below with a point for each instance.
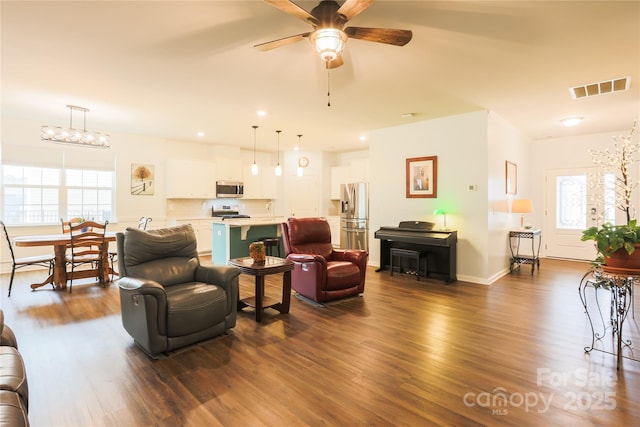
(422, 177)
(510, 178)
(142, 179)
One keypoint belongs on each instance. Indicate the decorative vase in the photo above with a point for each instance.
(620, 259)
(257, 252)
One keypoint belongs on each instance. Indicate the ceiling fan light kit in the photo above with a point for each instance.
(329, 34)
(329, 42)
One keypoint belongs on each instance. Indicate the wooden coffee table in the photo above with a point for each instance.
(272, 265)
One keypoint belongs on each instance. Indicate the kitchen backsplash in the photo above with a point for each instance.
(188, 208)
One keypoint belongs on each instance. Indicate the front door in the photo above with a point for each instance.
(573, 206)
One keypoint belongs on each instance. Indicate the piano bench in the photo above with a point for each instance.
(407, 254)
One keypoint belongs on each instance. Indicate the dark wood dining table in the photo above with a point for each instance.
(60, 242)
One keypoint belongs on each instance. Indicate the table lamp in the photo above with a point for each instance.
(522, 206)
(444, 214)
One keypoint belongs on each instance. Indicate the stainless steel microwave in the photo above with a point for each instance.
(229, 189)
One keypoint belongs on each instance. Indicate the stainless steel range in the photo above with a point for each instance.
(227, 212)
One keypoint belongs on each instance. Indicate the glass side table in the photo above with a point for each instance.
(517, 258)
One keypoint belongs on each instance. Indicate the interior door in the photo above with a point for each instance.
(303, 196)
(572, 206)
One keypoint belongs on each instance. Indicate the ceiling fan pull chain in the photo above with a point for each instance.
(328, 86)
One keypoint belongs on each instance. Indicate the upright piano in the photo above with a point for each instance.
(439, 247)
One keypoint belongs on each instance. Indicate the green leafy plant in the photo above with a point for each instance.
(610, 238)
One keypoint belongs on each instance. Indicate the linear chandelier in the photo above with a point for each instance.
(71, 135)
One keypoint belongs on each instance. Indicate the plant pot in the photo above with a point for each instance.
(620, 259)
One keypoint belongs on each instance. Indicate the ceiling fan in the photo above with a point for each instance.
(329, 36)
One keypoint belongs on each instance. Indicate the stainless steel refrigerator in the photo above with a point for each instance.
(354, 216)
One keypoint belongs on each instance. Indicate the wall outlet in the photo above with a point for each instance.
(473, 187)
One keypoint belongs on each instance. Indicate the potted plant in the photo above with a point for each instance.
(616, 244)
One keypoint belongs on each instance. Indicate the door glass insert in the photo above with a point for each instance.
(571, 202)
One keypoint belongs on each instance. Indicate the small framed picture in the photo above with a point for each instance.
(422, 177)
(142, 179)
(511, 178)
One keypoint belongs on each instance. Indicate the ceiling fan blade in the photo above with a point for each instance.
(380, 35)
(280, 42)
(335, 63)
(293, 9)
(352, 8)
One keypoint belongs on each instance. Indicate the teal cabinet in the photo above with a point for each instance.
(232, 241)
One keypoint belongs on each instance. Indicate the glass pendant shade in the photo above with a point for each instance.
(278, 167)
(254, 166)
(328, 42)
(300, 170)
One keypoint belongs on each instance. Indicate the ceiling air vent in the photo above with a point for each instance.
(600, 88)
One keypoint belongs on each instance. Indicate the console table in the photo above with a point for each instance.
(620, 283)
(517, 259)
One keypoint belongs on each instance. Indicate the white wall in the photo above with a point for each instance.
(460, 142)
(504, 143)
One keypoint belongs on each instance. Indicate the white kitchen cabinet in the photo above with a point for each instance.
(252, 185)
(339, 175)
(359, 170)
(261, 186)
(188, 179)
(228, 169)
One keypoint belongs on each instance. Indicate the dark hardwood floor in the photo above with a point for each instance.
(407, 353)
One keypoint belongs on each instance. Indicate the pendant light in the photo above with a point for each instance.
(254, 166)
(278, 167)
(299, 171)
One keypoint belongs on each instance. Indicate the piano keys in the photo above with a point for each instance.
(439, 247)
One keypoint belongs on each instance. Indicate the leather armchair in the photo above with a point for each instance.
(168, 299)
(14, 389)
(321, 272)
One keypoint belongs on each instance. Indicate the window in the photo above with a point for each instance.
(38, 195)
(89, 194)
(31, 195)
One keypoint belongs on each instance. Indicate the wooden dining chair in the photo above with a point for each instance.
(16, 263)
(66, 225)
(87, 246)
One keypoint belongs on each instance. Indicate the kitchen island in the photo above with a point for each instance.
(232, 237)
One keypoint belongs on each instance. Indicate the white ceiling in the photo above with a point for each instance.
(172, 69)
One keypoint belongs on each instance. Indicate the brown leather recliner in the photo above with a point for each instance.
(168, 299)
(321, 272)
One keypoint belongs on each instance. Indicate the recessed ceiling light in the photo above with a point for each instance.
(200, 134)
(363, 137)
(571, 121)
(407, 115)
(261, 113)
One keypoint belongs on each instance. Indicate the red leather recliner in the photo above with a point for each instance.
(321, 273)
